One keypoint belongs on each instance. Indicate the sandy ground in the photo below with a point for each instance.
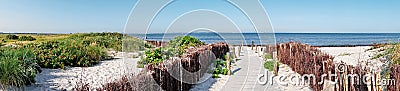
(212, 84)
(285, 85)
(96, 76)
(354, 55)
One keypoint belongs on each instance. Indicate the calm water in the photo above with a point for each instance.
(315, 39)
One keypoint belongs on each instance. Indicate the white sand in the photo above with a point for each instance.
(285, 70)
(212, 84)
(354, 55)
(96, 76)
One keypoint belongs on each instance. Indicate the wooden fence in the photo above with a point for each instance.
(305, 59)
(168, 75)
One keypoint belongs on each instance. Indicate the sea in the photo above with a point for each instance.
(313, 39)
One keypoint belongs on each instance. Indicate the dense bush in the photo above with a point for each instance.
(175, 48)
(26, 38)
(18, 66)
(13, 37)
(181, 43)
(107, 40)
(69, 52)
(157, 55)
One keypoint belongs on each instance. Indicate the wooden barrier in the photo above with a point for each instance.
(228, 63)
(156, 77)
(305, 59)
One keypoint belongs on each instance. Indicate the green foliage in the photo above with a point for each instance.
(18, 66)
(267, 56)
(131, 44)
(141, 62)
(175, 48)
(26, 38)
(69, 52)
(12, 37)
(107, 40)
(270, 65)
(220, 68)
(157, 55)
(181, 43)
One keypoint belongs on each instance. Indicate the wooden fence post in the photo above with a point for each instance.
(240, 50)
(276, 68)
(234, 52)
(228, 63)
(252, 45)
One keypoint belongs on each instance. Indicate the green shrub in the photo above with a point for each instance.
(220, 68)
(12, 37)
(107, 40)
(270, 65)
(267, 56)
(61, 53)
(181, 43)
(157, 55)
(26, 38)
(175, 48)
(18, 66)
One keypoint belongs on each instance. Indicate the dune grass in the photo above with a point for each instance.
(20, 64)
(18, 67)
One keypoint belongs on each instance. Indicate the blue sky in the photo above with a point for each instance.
(69, 16)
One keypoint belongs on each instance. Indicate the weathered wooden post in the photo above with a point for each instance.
(234, 52)
(259, 51)
(228, 63)
(252, 45)
(240, 48)
(276, 68)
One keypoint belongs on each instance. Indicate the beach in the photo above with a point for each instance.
(96, 76)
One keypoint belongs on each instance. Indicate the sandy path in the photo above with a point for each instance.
(104, 72)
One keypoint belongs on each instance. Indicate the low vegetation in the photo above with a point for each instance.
(220, 68)
(61, 53)
(18, 67)
(26, 38)
(267, 56)
(20, 64)
(268, 64)
(175, 48)
(12, 37)
(180, 43)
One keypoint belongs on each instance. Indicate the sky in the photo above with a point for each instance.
(287, 16)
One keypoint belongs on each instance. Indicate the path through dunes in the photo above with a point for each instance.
(246, 73)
